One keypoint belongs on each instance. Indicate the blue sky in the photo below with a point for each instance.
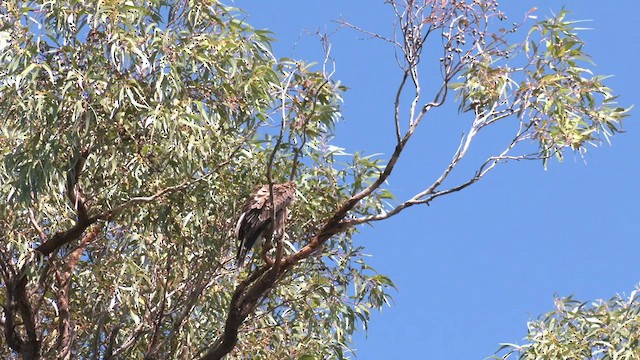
(475, 266)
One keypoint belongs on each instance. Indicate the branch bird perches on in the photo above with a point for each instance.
(255, 222)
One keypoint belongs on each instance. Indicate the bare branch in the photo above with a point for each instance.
(345, 23)
(110, 214)
(326, 47)
(129, 342)
(396, 110)
(36, 226)
(431, 193)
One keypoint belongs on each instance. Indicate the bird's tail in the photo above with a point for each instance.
(241, 254)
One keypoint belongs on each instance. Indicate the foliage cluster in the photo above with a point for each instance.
(576, 330)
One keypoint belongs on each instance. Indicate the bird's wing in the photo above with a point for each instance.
(239, 224)
(252, 222)
(283, 195)
(249, 229)
(258, 200)
(258, 197)
(256, 216)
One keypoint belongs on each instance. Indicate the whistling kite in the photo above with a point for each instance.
(255, 221)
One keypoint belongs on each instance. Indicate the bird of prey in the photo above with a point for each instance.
(255, 221)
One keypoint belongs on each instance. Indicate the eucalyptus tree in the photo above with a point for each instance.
(134, 130)
(603, 329)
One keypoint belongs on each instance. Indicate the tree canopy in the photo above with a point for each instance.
(577, 330)
(135, 129)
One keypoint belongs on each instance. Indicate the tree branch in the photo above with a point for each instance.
(17, 301)
(64, 339)
(36, 226)
(129, 342)
(243, 301)
(154, 345)
(429, 194)
(76, 197)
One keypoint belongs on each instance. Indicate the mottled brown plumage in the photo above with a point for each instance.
(255, 220)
